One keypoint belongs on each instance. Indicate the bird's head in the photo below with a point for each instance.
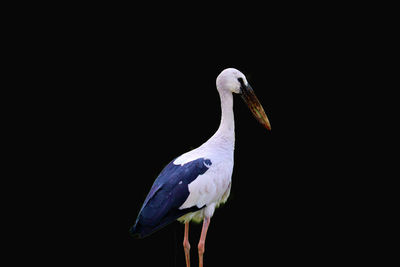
(232, 80)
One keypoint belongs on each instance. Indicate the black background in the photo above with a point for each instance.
(151, 102)
(125, 98)
(278, 209)
(158, 100)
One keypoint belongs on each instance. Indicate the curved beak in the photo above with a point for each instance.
(254, 105)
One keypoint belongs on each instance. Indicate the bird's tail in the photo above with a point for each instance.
(138, 230)
(141, 231)
(134, 232)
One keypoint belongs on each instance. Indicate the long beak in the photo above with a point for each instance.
(254, 105)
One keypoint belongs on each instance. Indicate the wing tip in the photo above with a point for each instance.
(134, 233)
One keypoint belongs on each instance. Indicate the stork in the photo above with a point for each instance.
(194, 184)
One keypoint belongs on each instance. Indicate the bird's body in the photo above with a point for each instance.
(211, 163)
(191, 186)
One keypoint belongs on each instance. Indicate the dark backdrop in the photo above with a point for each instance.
(155, 101)
(145, 97)
(167, 104)
(145, 94)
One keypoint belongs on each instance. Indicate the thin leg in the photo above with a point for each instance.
(202, 241)
(186, 244)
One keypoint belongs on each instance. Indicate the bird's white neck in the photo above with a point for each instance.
(224, 138)
(222, 143)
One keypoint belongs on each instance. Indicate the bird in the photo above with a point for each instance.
(195, 183)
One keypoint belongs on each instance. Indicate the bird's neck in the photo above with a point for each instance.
(225, 135)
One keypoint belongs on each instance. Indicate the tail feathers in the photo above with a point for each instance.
(133, 231)
(141, 231)
(146, 226)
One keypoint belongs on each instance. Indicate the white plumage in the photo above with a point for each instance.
(213, 187)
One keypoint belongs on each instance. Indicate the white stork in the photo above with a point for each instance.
(192, 185)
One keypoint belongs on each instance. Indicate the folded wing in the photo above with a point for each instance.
(168, 193)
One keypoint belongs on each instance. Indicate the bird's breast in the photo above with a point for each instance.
(211, 186)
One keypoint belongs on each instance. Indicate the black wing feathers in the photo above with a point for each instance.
(169, 191)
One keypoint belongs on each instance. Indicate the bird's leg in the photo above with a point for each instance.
(202, 241)
(186, 244)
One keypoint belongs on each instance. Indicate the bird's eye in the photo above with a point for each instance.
(241, 82)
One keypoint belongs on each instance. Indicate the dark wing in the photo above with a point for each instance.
(169, 191)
